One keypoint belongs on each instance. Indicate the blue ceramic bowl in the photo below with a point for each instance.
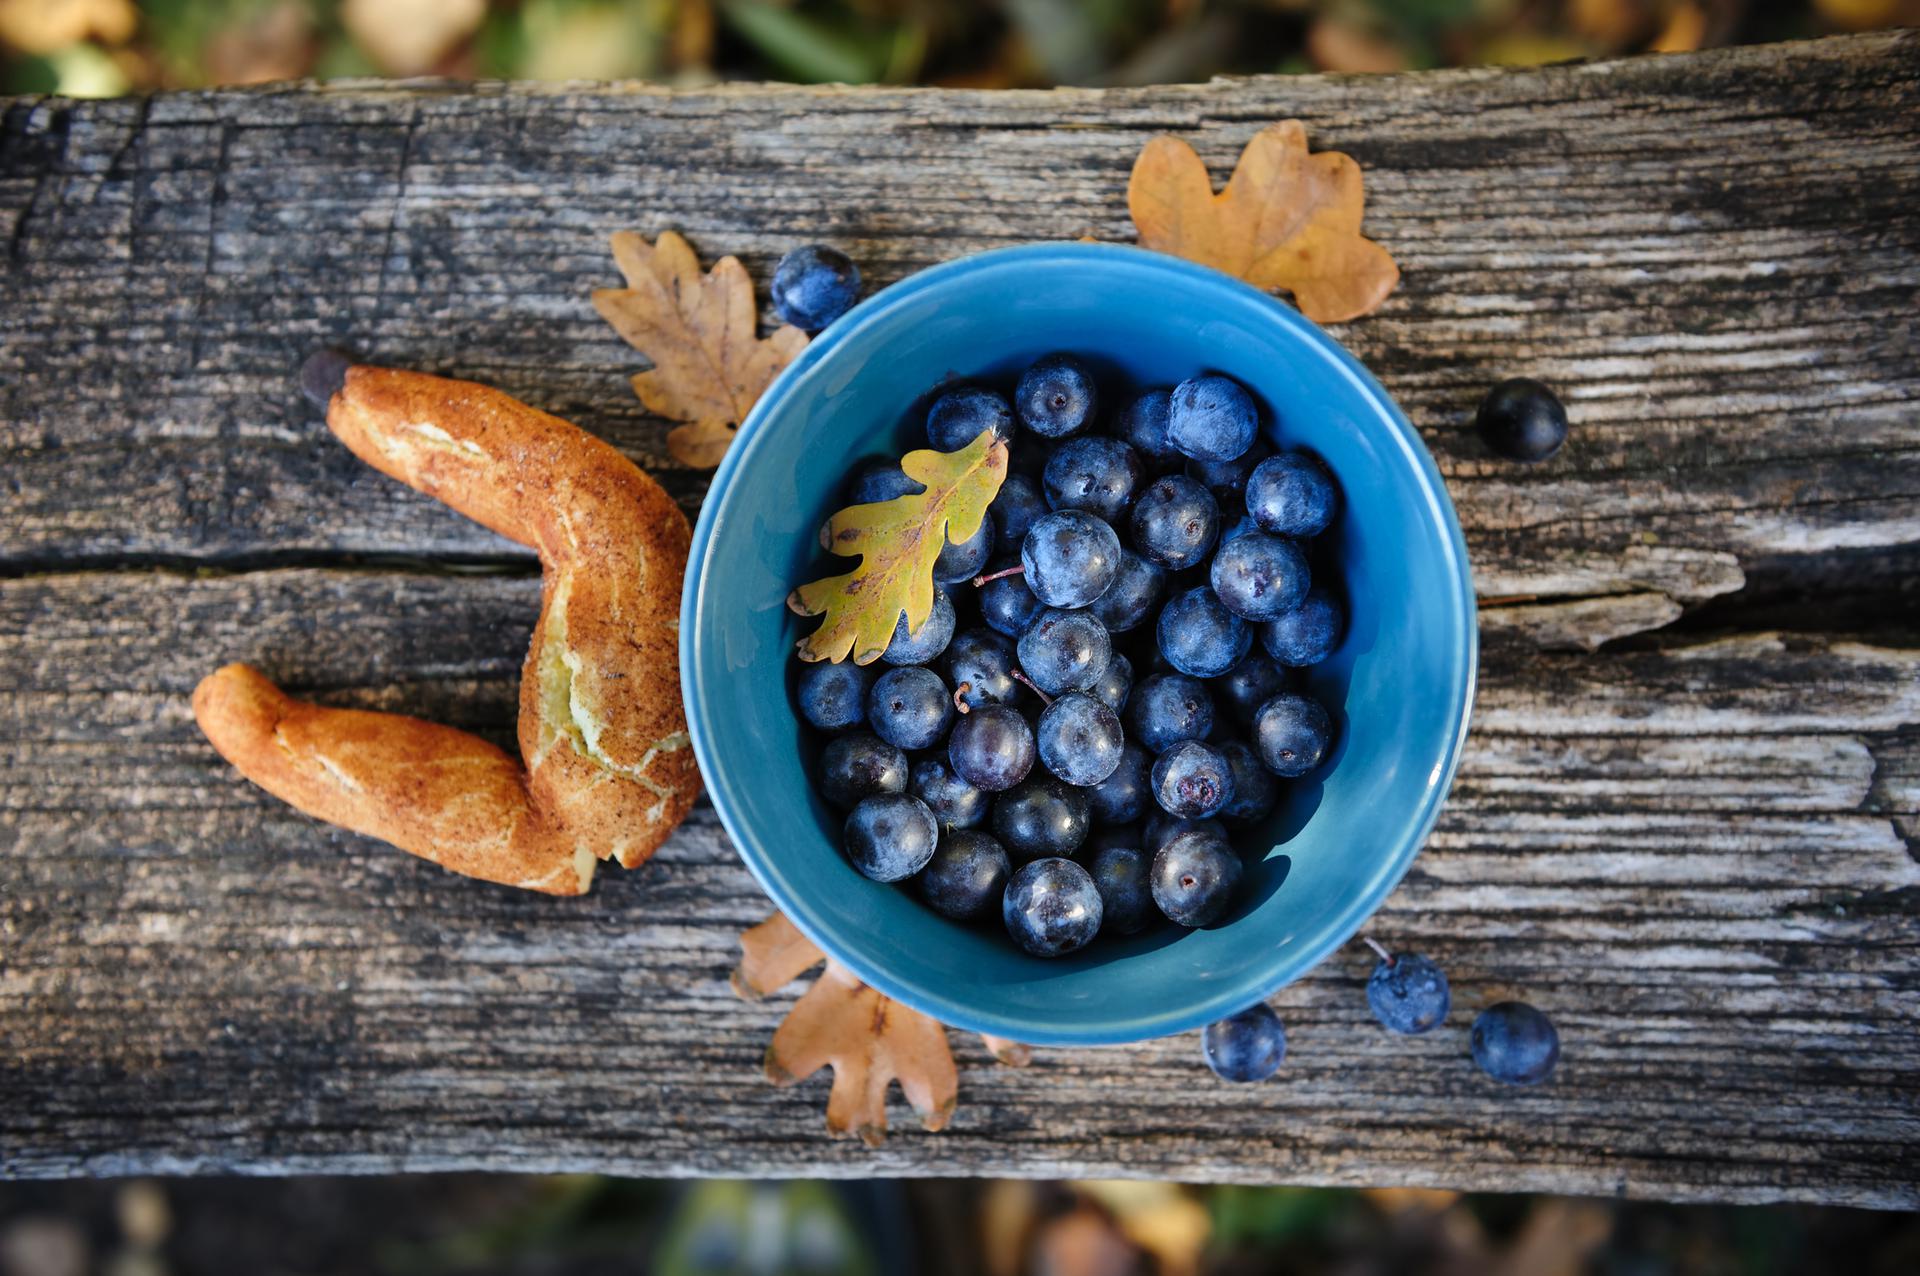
(1399, 687)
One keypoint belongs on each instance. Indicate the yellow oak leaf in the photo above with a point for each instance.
(869, 1040)
(702, 333)
(896, 542)
(1286, 219)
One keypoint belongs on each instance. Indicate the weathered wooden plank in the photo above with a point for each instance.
(1713, 257)
(1699, 858)
(1699, 853)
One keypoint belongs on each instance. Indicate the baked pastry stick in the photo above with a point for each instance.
(605, 770)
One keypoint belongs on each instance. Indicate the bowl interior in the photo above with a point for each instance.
(1398, 688)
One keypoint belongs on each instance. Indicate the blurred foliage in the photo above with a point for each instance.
(108, 47)
(587, 1225)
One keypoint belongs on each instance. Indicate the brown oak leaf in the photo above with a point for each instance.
(772, 955)
(1286, 219)
(1015, 1054)
(702, 333)
(867, 1039)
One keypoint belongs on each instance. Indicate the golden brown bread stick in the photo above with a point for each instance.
(608, 770)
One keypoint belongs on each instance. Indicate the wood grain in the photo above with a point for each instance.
(1688, 824)
(200, 979)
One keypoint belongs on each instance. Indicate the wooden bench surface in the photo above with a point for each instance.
(1687, 825)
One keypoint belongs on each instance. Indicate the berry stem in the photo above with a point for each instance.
(1384, 954)
(1018, 676)
(959, 691)
(979, 581)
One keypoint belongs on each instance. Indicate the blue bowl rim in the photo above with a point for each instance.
(1221, 1000)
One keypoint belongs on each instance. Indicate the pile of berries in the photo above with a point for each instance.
(1217, 526)
(1002, 756)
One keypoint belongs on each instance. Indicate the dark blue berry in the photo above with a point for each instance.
(1064, 651)
(1227, 480)
(910, 707)
(1079, 739)
(1212, 418)
(1195, 876)
(1514, 1043)
(1052, 907)
(1162, 828)
(833, 697)
(1120, 871)
(891, 836)
(1291, 495)
(1013, 511)
(1199, 636)
(1029, 455)
(813, 286)
(1238, 528)
(1522, 420)
(980, 664)
(927, 642)
(1291, 734)
(962, 414)
(1308, 634)
(955, 803)
(1245, 1047)
(324, 375)
(1255, 793)
(1175, 522)
(881, 480)
(1259, 577)
(1167, 708)
(857, 766)
(1042, 817)
(966, 876)
(1055, 397)
(966, 560)
(1006, 604)
(1142, 425)
(1192, 780)
(1250, 684)
(1115, 684)
(991, 748)
(1124, 796)
(1135, 592)
(1408, 993)
(1094, 473)
(1070, 557)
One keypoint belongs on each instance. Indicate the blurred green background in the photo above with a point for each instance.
(108, 47)
(585, 1225)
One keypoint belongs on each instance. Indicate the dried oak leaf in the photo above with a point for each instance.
(702, 333)
(1286, 219)
(867, 1039)
(896, 542)
(772, 955)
